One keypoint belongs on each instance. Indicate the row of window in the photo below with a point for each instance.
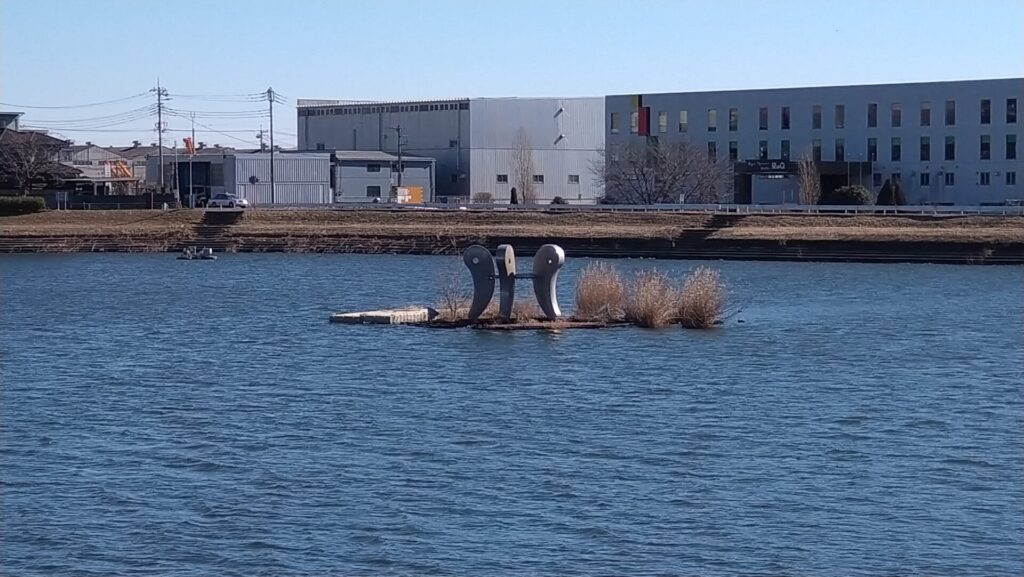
(538, 179)
(839, 117)
(948, 178)
(895, 149)
(347, 110)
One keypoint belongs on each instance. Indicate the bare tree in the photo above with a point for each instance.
(522, 168)
(29, 158)
(661, 172)
(808, 180)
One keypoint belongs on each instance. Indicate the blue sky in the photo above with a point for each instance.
(74, 52)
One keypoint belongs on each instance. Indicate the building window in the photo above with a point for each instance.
(984, 178)
(950, 148)
(816, 116)
(1011, 178)
(897, 115)
(949, 178)
(734, 119)
(574, 179)
(373, 191)
(840, 116)
(872, 149)
(453, 144)
(684, 121)
(926, 114)
(1011, 111)
(985, 147)
(872, 115)
(372, 168)
(876, 179)
(840, 149)
(502, 179)
(785, 118)
(1011, 147)
(896, 149)
(734, 151)
(663, 122)
(712, 120)
(926, 179)
(785, 150)
(538, 179)
(454, 178)
(713, 151)
(320, 146)
(762, 118)
(762, 150)
(634, 122)
(816, 149)
(951, 113)
(926, 149)
(613, 120)
(986, 111)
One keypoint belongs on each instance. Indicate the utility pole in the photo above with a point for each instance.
(398, 129)
(270, 101)
(259, 135)
(192, 153)
(160, 93)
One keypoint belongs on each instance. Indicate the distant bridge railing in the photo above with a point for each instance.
(926, 210)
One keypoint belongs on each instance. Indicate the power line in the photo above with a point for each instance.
(91, 104)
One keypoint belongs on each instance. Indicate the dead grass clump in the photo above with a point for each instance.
(702, 299)
(650, 301)
(525, 310)
(452, 297)
(599, 293)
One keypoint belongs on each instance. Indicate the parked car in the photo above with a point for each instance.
(224, 200)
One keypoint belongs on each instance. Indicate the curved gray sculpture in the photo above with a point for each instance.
(546, 263)
(481, 265)
(506, 260)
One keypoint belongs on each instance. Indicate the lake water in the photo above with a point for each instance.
(203, 418)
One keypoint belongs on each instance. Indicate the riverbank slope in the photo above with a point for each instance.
(975, 239)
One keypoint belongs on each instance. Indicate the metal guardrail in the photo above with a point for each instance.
(792, 209)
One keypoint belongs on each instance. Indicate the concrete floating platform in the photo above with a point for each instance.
(386, 317)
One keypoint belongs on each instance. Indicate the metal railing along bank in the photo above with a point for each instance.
(669, 208)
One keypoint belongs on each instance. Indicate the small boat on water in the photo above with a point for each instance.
(191, 253)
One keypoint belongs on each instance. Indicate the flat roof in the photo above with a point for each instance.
(376, 155)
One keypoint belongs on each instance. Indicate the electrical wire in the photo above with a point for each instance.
(91, 104)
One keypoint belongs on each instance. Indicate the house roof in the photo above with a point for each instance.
(10, 135)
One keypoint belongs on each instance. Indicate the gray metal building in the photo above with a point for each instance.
(473, 141)
(300, 178)
(946, 142)
(362, 176)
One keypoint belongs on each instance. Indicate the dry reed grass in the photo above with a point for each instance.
(651, 300)
(701, 299)
(599, 293)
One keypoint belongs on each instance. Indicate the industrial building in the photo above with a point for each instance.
(368, 176)
(299, 178)
(482, 147)
(945, 142)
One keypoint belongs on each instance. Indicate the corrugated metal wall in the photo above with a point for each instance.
(439, 134)
(285, 193)
(564, 136)
(299, 178)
